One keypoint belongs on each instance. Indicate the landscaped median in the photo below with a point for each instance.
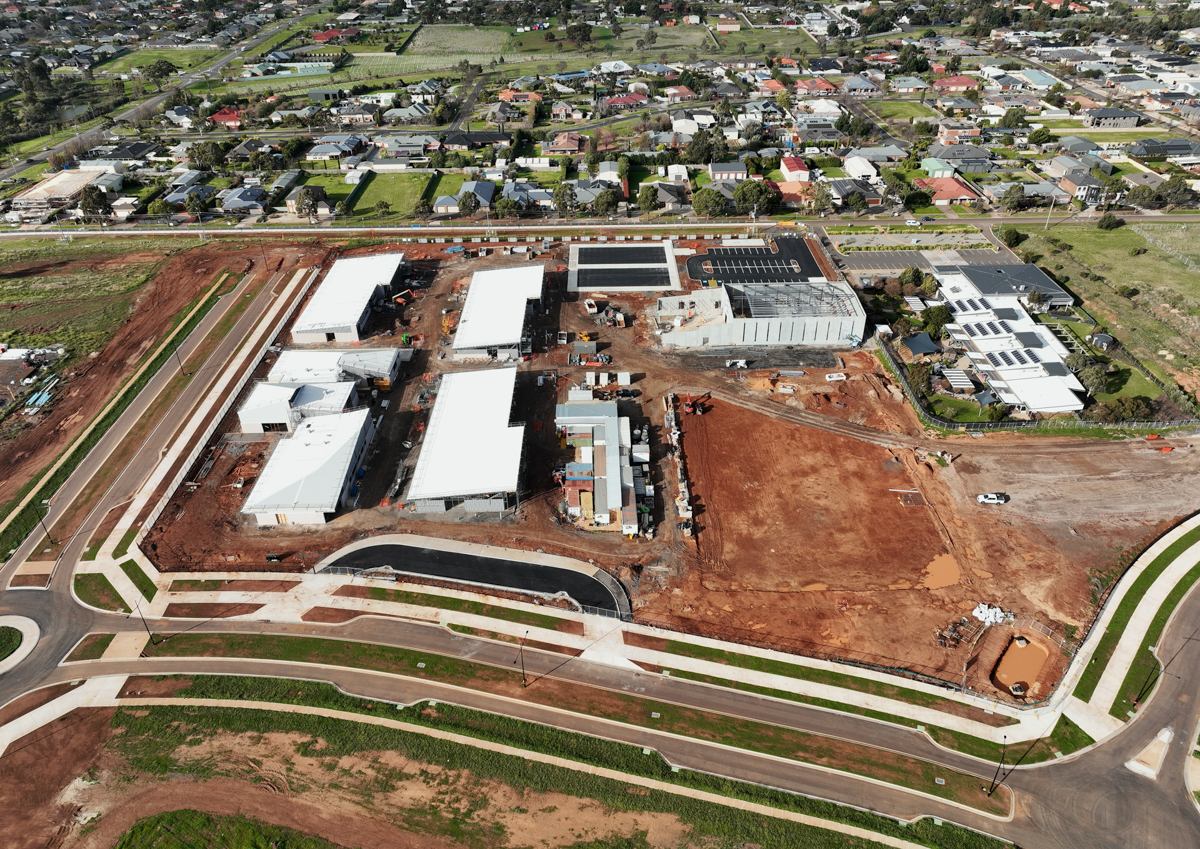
(1128, 605)
(629, 709)
(154, 739)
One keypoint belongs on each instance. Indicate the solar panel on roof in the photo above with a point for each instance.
(1005, 327)
(992, 327)
(1032, 356)
(959, 307)
(1006, 358)
(983, 303)
(983, 331)
(970, 330)
(992, 358)
(1019, 357)
(971, 303)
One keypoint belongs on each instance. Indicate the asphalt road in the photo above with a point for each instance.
(457, 566)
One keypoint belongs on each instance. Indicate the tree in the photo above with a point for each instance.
(856, 202)
(623, 167)
(580, 33)
(207, 155)
(1014, 198)
(911, 276)
(1174, 192)
(94, 201)
(606, 202)
(160, 207)
(196, 204)
(995, 412)
(306, 203)
(383, 208)
(822, 197)
(342, 208)
(1077, 361)
(1041, 136)
(708, 202)
(1014, 117)
(1124, 409)
(564, 198)
(158, 71)
(423, 207)
(1010, 236)
(1108, 221)
(648, 197)
(1142, 196)
(1094, 379)
(936, 318)
(507, 208)
(755, 196)
(468, 203)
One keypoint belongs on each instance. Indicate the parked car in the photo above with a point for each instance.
(992, 498)
(912, 222)
(927, 218)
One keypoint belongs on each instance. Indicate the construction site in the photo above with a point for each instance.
(784, 496)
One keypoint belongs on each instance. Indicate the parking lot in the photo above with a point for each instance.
(791, 260)
(925, 260)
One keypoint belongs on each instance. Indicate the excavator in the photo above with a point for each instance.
(688, 406)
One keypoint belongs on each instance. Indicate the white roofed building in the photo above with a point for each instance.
(603, 446)
(339, 309)
(280, 407)
(492, 325)
(471, 452)
(379, 366)
(311, 474)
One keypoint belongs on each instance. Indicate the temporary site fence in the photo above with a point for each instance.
(202, 440)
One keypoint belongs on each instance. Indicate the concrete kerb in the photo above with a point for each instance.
(537, 757)
(30, 634)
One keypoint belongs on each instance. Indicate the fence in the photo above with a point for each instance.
(1163, 246)
(899, 371)
(230, 397)
(1047, 632)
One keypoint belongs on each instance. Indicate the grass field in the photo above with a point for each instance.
(401, 191)
(1142, 323)
(10, 641)
(758, 42)
(80, 308)
(156, 740)
(140, 579)
(189, 829)
(888, 109)
(334, 183)
(91, 647)
(184, 60)
(444, 184)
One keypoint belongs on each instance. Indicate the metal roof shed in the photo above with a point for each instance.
(470, 447)
(494, 314)
(339, 308)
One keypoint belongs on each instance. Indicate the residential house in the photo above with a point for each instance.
(248, 200)
(426, 91)
(947, 190)
(513, 96)
(950, 105)
(821, 65)
(967, 158)
(615, 66)
(178, 196)
(303, 113)
(860, 87)
(560, 110)
(1144, 178)
(529, 195)
(243, 151)
(355, 115)
(691, 121)
(656, 69)
(503, 113)
(679, 94)
(568, 143)
(417, 112)
(815, 87)
(671, 196)
(769, 87)
(1040, 190)
(795, 194)
(909, 85)
(1111, 118)
(293, 197)
(956, 84)
(181, 116)
(842, 189)
(1081, 185)
(957, 132)
(476, 139)
(229, 118)
(325, 95)
(620, 103)
(937, 168)
(881, 154)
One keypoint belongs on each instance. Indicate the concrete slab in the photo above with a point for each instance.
(1149, 761)
(1094, 722)
(126, 645)
(93, 692)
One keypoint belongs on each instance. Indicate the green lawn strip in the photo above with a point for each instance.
(29, 517)
(462, 605)
(95, 589)
(92, 551)
(10, 641)
(807, 673)
(140, 579)
(152, 741)
(91, 647)
(185, 829)
(1125, 610)
(618, 707)
(1144, 670)
(1066, 738)
(126, 540)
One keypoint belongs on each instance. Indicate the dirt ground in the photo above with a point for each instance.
(92, 381)
(64, 778)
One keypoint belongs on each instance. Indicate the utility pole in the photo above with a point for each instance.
(1052, 199)
(999, 766)
(42, 521)
(521, 658)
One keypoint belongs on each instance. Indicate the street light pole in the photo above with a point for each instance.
(42, 521)
(521, 658)
(999, 766)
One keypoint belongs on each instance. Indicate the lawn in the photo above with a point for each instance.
(334, 183)
(1142, 323)
(184, 60)
(140, 579)
(185, 829)
(401, 191)
(91, 647)
(96, 590)
(834, 173)
(444, 184)
(10, 641)
(757, 42)
(954, 409)
(889, 109)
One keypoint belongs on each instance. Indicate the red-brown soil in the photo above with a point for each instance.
(31, 701)
(209, 610)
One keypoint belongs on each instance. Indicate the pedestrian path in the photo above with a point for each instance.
(95, 692)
